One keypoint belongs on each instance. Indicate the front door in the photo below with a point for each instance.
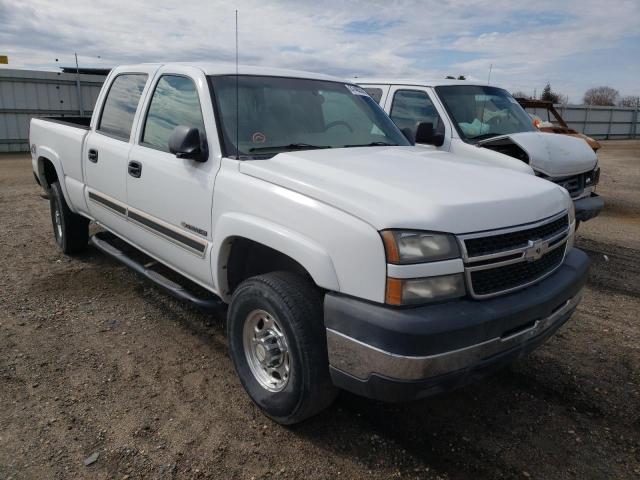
(170, 199)
(408, 106)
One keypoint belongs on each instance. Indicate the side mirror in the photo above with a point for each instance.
(406, 131)
(425, 134)
(186, 142)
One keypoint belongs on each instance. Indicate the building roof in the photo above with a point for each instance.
(86, 71)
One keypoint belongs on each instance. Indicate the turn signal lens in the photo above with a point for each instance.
(412, 291)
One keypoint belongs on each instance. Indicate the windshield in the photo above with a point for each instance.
(484, 112)
(277, 114)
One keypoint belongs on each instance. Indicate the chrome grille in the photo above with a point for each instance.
(574, 185)
(509, 259)
(517, 239)
(504, 278)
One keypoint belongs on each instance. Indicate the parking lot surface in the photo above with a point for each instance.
(102, 375)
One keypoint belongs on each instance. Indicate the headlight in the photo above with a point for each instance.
(412, 291)
(592, 178)
(572, 226)
(572, 213)
(409, 246)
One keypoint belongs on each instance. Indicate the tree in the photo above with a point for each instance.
(451, 77)
(601, 96)
(549, 95)
(630, 101)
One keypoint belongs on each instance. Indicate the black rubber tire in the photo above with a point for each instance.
(73, 234)
(296, 304)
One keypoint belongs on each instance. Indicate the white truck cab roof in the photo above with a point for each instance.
(225, 68)
(419, 82)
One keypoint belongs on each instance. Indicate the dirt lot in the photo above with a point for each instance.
(93, 360)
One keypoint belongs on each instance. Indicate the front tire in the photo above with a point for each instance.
(278, 346)
(70, 230)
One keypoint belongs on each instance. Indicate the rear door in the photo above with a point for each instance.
(107, 147)
(170, 199)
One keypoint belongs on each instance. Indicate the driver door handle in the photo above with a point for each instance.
(135, 169)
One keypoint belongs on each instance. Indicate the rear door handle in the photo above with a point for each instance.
(93, 155)
(135, 169)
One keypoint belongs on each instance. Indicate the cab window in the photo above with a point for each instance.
(375, 93)
(411, 107)
(175, 102)
(121, 104)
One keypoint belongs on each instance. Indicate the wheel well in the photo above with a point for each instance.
(248, 258)
(48, 171)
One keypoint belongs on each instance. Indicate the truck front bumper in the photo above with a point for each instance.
(588, 207)
(398, 354)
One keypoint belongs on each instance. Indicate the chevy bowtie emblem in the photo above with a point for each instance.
(536, 249)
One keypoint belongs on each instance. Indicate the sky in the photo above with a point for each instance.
(573, 44)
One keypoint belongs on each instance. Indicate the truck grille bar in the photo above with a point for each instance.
(505, 260)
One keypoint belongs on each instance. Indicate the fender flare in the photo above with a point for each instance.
(46, 154)
(316, 261)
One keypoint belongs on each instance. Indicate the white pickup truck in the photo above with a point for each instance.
(485, 123)
(347, 260)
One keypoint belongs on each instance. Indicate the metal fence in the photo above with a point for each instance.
(29, 93)
(598, 122)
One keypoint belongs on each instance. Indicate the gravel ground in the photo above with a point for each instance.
(104, 376)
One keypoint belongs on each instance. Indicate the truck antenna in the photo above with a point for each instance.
(237, 97)
(489, 79)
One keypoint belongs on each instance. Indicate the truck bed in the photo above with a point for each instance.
(61, 141)
(78, 122)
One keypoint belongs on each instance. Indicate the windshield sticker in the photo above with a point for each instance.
(258, 137)
(356, 90)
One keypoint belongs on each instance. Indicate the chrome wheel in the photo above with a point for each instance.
(266, 350)
(57, 223)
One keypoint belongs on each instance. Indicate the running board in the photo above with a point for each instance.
(101, 241)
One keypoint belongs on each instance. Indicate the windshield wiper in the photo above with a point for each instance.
(291, 146)
(373, 144)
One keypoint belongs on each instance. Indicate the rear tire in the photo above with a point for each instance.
(70, 230)
(278, 346)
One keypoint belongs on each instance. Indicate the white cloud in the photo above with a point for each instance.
(527, 43)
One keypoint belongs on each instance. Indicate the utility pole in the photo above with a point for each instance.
(79, 87)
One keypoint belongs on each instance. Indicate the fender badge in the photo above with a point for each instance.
(197, 230)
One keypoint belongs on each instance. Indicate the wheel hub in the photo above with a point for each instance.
(266, 350)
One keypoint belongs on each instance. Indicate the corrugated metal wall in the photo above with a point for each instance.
(598, 122)
(29, 93)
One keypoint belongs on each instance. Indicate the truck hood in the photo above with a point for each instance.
(552, 154)
(402, 187)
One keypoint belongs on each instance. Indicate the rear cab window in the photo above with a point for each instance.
(120, 105)
(375, 93)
